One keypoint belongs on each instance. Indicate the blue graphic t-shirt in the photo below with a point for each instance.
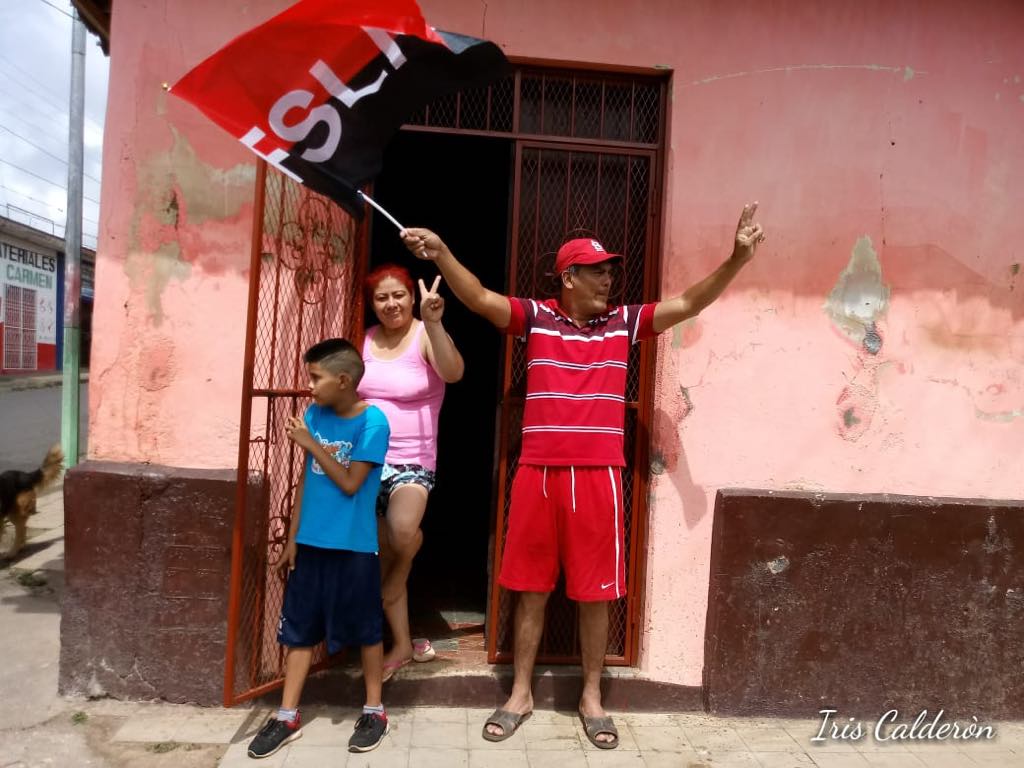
(331, 518)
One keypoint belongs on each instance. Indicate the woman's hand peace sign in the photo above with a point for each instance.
(431, 303)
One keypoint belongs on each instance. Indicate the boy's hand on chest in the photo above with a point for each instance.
(296, 430)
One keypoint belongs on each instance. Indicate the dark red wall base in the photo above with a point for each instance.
(865, 603)
(147, 566)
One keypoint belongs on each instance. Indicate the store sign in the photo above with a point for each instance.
(28, 268)
(25, 268)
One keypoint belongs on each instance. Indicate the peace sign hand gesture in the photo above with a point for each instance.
(748, 234)
(431, 303)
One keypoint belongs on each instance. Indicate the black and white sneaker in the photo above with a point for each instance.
(274, 735)
(369, 733)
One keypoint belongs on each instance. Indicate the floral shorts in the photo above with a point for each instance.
(394, 475)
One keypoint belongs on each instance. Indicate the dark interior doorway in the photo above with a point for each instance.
(460, 187)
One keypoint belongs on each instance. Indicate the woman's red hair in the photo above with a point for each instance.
(401, 274)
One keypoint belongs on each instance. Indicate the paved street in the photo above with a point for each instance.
(30, 424)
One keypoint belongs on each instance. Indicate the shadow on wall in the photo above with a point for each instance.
(930, 268)
(669, 459)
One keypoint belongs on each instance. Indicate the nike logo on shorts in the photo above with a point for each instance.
(605, 586)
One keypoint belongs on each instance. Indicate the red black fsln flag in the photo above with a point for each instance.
(320, 89)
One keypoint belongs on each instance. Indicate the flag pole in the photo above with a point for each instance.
(377, 205)
(388, 216)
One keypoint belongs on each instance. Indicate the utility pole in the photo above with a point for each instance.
(71, 379)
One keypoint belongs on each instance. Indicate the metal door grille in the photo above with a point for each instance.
(588, 161)
(305, 285)
(593, 107)
(606, 193)
(19, 328)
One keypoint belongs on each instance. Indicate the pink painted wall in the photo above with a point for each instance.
(172, 265)
(883, 141)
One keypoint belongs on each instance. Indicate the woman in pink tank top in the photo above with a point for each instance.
(408, 362)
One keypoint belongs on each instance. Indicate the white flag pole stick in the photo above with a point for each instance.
(387, 215)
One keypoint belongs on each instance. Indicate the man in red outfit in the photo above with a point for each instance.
(566, 508)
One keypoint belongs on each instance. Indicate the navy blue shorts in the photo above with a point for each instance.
(332, 595)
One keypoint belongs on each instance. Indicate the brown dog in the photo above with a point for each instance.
(18, 494)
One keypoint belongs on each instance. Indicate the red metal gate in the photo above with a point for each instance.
(588, 160)
(606, 192)
(305, 283)
(588, 157)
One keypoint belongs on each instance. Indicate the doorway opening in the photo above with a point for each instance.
(460, 187)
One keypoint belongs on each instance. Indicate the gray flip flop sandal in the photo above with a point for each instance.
(509, 723)
(598, 725)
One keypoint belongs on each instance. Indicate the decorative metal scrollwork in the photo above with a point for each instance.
(280, 522)
(315, 243)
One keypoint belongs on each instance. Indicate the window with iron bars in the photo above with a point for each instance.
(550, 103)
(19, 328)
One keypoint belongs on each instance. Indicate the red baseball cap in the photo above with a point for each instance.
(582, 250)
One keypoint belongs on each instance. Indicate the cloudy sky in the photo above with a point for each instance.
(35, 77)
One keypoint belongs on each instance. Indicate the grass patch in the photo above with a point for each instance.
(163, 746)
(79, 717)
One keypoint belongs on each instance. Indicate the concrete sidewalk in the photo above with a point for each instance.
(41, 728)
(426, 737)
(436, 737)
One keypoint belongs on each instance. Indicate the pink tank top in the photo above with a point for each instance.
(410, 392)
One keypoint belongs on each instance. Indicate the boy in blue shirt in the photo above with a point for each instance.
(333, 590)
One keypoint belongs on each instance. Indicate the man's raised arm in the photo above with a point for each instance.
(492, 306)
(698, 296)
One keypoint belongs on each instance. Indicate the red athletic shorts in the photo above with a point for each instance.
(567, 515)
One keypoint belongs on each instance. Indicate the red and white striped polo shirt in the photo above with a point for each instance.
(576, 381)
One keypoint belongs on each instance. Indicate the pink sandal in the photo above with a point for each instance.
(391, 667)
(422, 650)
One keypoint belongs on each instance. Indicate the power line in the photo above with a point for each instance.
(51, 129)
(41, 178)
(32, 173)
(59, 10)
(29, 197)
(19, 193)
(24, 98)
(45, 92)
(62, 141)
(33, 98)
(54, 102)
(31, 143)
(45, 151)
(39, 93)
